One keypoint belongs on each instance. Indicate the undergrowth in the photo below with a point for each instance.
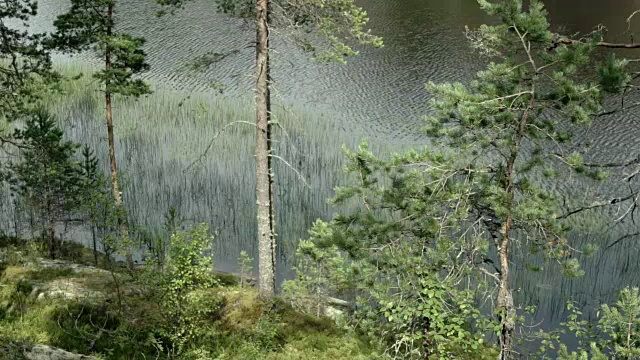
(205, 317)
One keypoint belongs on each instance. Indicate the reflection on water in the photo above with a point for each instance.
(381, 94)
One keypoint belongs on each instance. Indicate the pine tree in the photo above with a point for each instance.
(90, 25)
(611, 334)
(338, 23)
(48, 177)
(429, 220)
(25, 64)
(97, 199)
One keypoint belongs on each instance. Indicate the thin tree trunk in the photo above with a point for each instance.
(122, 226)
(264, 175)
(50, 233)
(53, 248)
(505, 297)
(15, 218)
(506, 309)
(95, 244)
(48, 230)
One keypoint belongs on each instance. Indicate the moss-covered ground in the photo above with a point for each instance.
(90, 310)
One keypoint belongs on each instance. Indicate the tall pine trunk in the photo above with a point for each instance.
(264, 175)
(505, 297)
(122, 225)
(506, 309)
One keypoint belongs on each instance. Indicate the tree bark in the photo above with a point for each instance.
(48, 231)
(50, 236)
(122, 226)
(506, 309)
(567, 41)
(264, 175)
(95, 245)
(505, 297)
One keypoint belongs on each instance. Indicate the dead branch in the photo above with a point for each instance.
(620, 239)
(604, 44)
(595, 205)
(206, 150)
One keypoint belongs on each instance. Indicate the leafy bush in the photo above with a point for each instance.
(182, 289)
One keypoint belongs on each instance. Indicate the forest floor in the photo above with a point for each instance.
(72, 305)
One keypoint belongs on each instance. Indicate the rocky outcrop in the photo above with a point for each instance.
(44, 352)
(77, 268)
(15, 350)
(75, 285)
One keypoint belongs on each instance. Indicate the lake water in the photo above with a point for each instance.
(380, 94)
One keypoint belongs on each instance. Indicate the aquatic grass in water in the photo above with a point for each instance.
(160, 143)
(161, 137)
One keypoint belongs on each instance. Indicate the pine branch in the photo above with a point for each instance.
(5, 140)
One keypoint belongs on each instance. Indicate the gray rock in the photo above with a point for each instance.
(333, 313)
(44, 352)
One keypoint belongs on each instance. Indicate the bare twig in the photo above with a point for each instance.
(206, 150)
(596, 204)
(616, 242)
(292, 168)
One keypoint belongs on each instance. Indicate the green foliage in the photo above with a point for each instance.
(245, 263)
(615, 334)
(183, 288)
(47, 177)
(621, 325)
(430, 220)
(97, 204)
(524, 101)
(613, 75)
(25, 66)
(233, 322)
(510, 123)
(397, 255)
(89, 25)
(319, 274)
(328, 29)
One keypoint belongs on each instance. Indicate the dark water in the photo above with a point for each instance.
(381, 95)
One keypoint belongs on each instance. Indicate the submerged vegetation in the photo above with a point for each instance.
(174, 145)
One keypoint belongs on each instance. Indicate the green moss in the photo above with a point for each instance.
(242, 327)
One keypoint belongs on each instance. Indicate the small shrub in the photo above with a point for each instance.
(244, 261)
(182, 289)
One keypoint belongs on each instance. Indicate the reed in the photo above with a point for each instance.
(161, 140)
